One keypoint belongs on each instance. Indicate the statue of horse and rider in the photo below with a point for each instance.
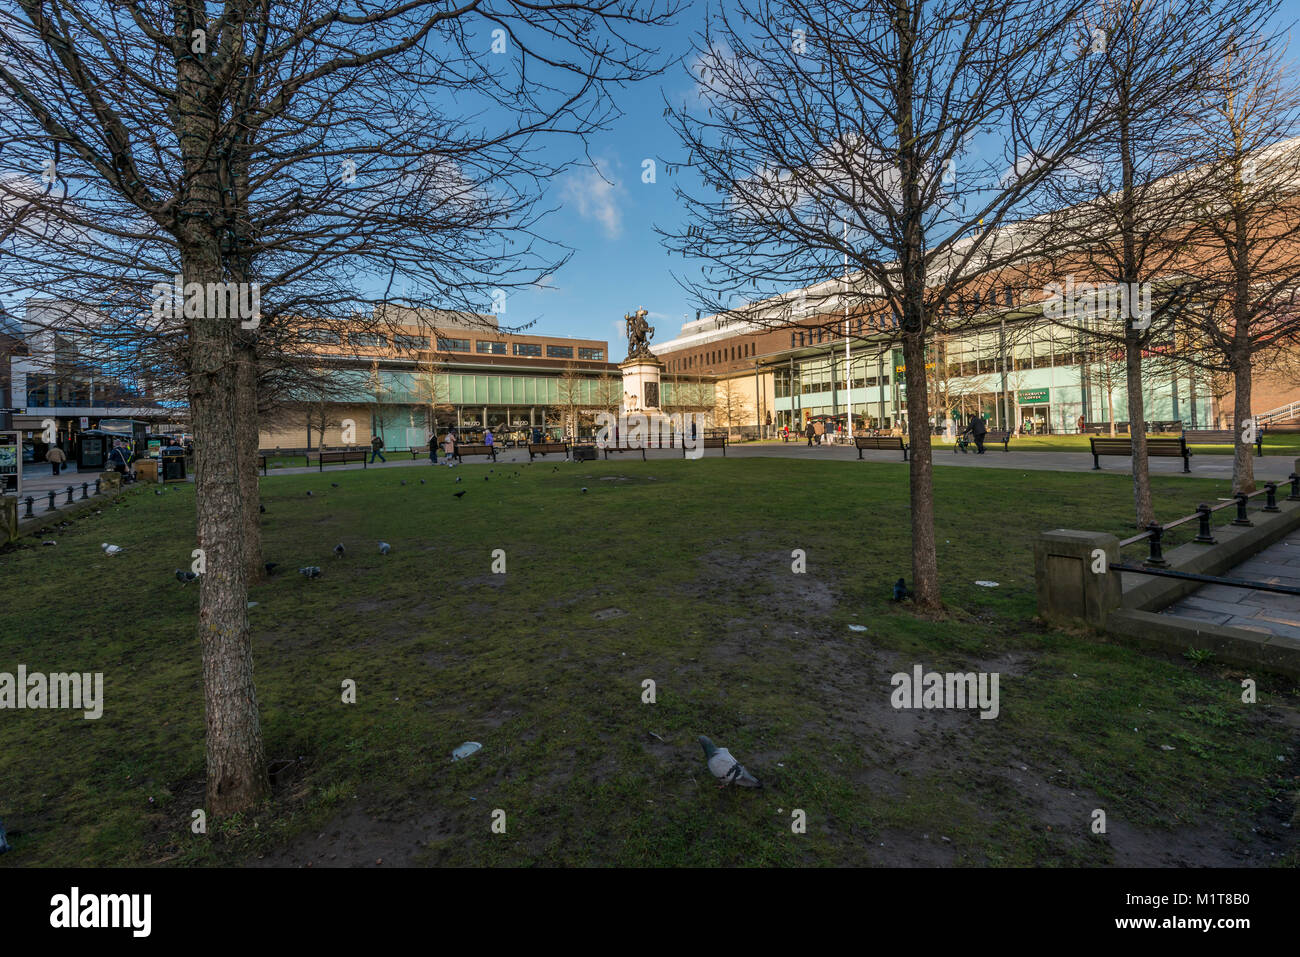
(639, 333)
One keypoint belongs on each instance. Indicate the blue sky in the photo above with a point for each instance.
(608, 218)
(618, 264)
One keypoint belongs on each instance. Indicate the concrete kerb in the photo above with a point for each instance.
(1073, 588)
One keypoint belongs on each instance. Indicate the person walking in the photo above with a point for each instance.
(488, 439)
(810, 433)
(977, 430)
(433, 448)
(449, 446)
(819, 430)
(56, 457)
(376, 448)
(119, 460)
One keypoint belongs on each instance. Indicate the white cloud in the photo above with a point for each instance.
(596, 198)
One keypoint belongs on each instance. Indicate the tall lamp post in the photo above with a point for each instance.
(848, 355)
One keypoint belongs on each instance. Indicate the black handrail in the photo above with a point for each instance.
(1153, 534)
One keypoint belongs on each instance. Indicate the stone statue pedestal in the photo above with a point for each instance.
(641, 384)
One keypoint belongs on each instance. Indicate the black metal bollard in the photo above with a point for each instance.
(84, 487)
(1241, 519)
(1270, 497)
(30, 501)
(1295, 488)
(96, 486)
(69, 491)
(1203, 533)
(50, 507)
(1156, 557)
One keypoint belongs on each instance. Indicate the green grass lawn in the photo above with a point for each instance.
(694, 559)
(1279, 443)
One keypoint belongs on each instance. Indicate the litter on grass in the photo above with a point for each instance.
(465, 750)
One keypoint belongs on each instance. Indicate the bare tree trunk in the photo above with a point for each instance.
(1137, 431)
(925, 562)
(236, 764)
(1243, 461)
(246, 423)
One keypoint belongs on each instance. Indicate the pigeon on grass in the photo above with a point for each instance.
(185, 577)
(725, 767)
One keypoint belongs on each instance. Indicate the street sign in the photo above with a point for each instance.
(85, 421)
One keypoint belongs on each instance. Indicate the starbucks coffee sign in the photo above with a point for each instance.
(1033, 396)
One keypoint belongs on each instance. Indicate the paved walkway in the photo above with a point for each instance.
(1268, 468)
(1263, 611)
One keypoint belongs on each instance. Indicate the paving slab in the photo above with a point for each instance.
(1270, 612)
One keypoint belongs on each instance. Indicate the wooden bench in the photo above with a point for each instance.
(1160, 447)
(891, 443)
(992, 435)
(709, 442)
(261, 463)
(584, 452)
(615, 448)
(1220, 437)
(341, 457)
(545, 448)
(489, 450)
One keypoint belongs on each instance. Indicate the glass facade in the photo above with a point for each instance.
(1032, 376)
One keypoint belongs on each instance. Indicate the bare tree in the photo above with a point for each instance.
(1121, 209)
(570, 397)
(857, 139)
(730, 402)
(1247, 235)
(211, 141)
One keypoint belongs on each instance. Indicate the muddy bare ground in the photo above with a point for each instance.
(903, 750)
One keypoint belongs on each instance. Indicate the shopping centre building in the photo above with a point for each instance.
(409, 372)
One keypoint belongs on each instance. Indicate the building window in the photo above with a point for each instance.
(559, 352)
(410, 343)
(453, 345)
(595, 355)
(323, 336)
(367, 340)
(491, 348)
(528, 349)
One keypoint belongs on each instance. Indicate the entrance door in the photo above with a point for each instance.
(1034, 419)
